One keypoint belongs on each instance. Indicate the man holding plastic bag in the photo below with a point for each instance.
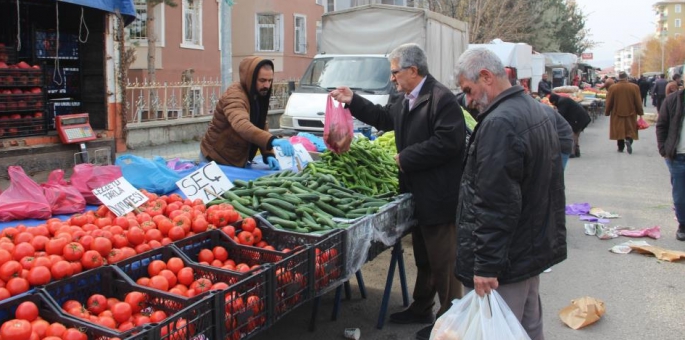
(510, 217)
(430, 135)
(238, 127)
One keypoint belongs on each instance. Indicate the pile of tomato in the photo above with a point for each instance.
(28, 325)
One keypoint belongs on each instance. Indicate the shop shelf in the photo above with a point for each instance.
(18, 125)
(20, 77)
(21, 102)
(326, 253)
(50, 314)
(136, 267)
(46, 45)
(289, 273)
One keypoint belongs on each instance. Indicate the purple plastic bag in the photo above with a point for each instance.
(578, 209)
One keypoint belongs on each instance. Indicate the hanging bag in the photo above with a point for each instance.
(87, 177)
(151, 175)
(23, 199)
(338, 129)
(641, 123)
(62, 197)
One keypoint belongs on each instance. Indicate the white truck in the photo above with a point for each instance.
(517, 56)
(354, 52)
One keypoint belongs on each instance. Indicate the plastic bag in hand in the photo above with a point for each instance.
(338, 130)
(479, 318)
(23, 199)
(62, 197)
(87, 177)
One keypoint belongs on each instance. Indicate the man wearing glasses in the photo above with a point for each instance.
(430, 135)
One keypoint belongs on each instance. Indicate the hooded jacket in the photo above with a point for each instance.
(238, 127)
(511, 221)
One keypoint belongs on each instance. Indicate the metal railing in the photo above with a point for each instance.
(153, 102)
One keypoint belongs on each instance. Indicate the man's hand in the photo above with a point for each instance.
(342, 94)
(484, 285)
(397, 161)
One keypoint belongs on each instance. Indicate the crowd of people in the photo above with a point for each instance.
(490, 202)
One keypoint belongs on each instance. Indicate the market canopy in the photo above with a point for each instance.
(125, 7)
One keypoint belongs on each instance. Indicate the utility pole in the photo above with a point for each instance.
(226, 52)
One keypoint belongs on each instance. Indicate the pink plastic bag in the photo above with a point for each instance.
(642, 124)
(338, 129)
(62, 197)
(87, 177)
(23, 199)
(308, 145)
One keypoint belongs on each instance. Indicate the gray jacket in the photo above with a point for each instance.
(669, 124)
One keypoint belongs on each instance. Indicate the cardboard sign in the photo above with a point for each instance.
(298, 160)
(120, 196)
(205, 183)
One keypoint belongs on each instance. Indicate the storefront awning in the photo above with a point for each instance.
(125, 7)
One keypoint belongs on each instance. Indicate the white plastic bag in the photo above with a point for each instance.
(479, 318)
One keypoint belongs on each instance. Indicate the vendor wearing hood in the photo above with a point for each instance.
(238, 128)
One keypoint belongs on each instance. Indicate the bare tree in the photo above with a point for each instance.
(127, 55)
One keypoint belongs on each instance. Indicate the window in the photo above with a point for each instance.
(394, 2)
(137, 30)
(678, 9)
(300, 34)
(338, 5)
(268, 33)
(677, 23)
(192, 24)
(319, 2)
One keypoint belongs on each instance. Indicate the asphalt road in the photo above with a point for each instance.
(644, 297)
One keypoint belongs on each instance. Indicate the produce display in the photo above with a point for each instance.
(387, 142)
(21, 99)
(367, 168)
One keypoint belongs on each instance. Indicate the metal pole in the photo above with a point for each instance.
(662, 55)
(226, 55)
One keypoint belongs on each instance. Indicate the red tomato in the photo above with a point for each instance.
(182, 221)
(136, 300)
(102, 245)
(4, 293)
(73, 251)
(201, 285)
(136, 236)
(55, 329)
(56, 246)
(78, 219)
(27, 310)
(257, 235)
(9, 270)
(205, 255)
(199, 224)
(121, 312)
(22, 250)
(119, 241)
(39, 242)
(39, 276)
(220, 253)
(91, 259)
(61, 269)
(17, 285)
(186, 276)
(248, 224)
(164, 226)
(155, 267)
(246, 238)
(74, 334)
(39, 327)
(176, 233)
(27, 262)
(229, 230)
(157, 316)
(159, 282)
(23, 237)
(15, 330)
(174, 264)
(140, 319)
(107, 321)
(96, 304)
(169, 276)
(4, 256)
(86, 241)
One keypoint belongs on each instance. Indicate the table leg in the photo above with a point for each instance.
(315, 312)
(360, 282)
(403, 276)
(348, 290)
(386, 293)
(336, 303)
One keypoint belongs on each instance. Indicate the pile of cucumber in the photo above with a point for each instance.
(302, 202)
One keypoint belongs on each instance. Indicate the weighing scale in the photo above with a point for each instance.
(75, 128)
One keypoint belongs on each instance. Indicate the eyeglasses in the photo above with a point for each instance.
(395, 72)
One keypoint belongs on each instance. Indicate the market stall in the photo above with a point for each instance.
(277, 240)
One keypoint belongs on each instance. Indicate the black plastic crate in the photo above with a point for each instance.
(50, 314)
(136, 267)
(110, 282)
(326, 252)
(21, 102)
(8, 54)
(27, 124)
(200, 320)
(21, 77)
(247, 307)
(290, 272)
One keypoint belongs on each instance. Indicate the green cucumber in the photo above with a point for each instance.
(243, 209)
(308, 197)
(240, 183)
(330, 209)
(264, 192)
(278, 212)
(279, 203)
(283, 222)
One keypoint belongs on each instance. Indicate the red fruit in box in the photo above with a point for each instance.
(3, 107)
(38, 105)
(13, 131)
(3, 65)
(36, 90)
(17, 91)
(15, 116)
(23, 65)
(2, 132)
(38, 115)
(35, 67)
(5, 92)
(9, 80)
(23, 79)
(28, 92)
(27, 117)
(11, 106)
(21, 105)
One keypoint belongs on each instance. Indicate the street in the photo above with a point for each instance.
(643, 296)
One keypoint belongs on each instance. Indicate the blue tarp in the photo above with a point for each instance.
(125, 7)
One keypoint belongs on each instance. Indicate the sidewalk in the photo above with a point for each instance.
(184, 150)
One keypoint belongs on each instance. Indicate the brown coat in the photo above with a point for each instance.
(237, 129)
(623, 104)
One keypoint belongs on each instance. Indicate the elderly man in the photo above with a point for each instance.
(510, 218)
(623, 104)
(430, 135)
(544, 86)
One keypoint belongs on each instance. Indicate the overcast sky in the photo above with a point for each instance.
(614, 24)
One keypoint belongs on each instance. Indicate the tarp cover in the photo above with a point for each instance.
(125, 7)
(516, 55)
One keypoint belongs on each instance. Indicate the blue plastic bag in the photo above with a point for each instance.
(151, 175)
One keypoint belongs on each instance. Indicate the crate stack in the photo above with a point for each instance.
(22, 97)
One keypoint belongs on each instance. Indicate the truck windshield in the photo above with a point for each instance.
(364, 73)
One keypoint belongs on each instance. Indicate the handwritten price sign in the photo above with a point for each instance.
(205, 183)
(120, 196)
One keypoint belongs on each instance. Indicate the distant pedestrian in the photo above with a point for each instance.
(660, 91)
(623, 104)
(670, 138)
(544, 86)
(674, 85)
(644, 86)
(575, 115)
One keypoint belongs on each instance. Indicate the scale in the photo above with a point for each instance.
(75, 128)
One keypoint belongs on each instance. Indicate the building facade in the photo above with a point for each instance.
(670, 18)
(625, 57)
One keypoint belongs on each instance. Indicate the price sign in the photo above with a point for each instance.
(120, 196)
(205, 183)
(300, 155)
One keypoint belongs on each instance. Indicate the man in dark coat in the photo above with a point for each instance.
(623, 104)
(644, 86)
(660, 91)
(511, 211)
(670, 139)
(430, 135)
(575, 115)
(544, 86)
